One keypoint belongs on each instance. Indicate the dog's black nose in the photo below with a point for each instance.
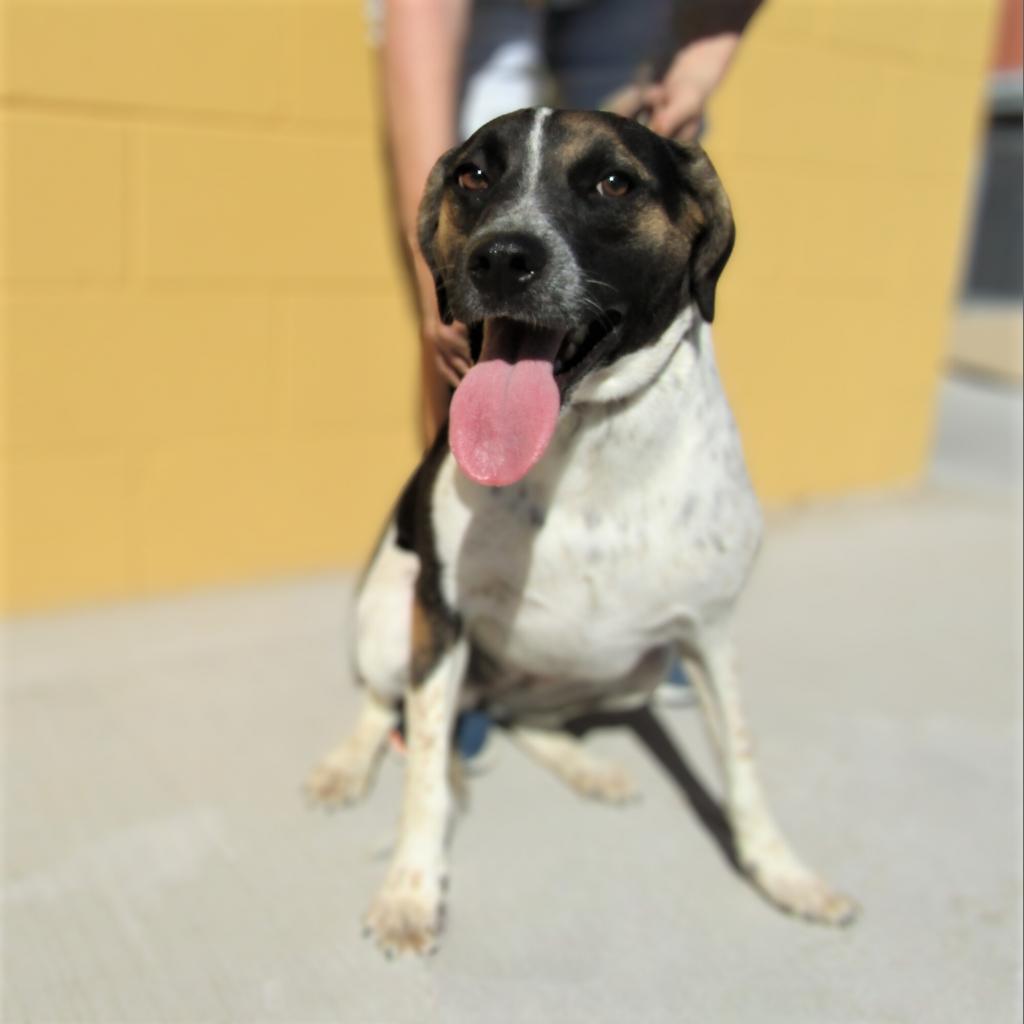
(505, 265)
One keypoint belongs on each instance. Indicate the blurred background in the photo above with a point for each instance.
(211, 360)
(210, 397)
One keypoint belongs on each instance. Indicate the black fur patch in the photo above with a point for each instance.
(415, 533)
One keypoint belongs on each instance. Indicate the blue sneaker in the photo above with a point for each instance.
(471, 729)
(677, 690)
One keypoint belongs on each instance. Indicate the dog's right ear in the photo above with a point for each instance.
(716, 231)
(426, 227)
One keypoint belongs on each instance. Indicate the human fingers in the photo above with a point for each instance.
(450, 343)
(627, 102)
(679, 114)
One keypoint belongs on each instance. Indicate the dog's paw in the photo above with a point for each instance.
(796, 890)
(602, 780)
(343, 777)
(408, 913)
(586, 773)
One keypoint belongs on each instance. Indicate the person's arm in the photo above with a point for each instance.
(677, 102)
(421, 62)
(709, 34)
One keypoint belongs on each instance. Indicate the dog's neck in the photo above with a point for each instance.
(650, 399)
(634, 372)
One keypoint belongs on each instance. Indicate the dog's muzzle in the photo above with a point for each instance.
(525, 294)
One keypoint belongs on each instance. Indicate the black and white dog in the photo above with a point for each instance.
(587, 512)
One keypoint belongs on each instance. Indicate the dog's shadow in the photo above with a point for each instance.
(651, 733)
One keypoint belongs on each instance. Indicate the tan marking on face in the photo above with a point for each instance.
(681, 234)
(652, 222)
(446, 236)
(584, 132)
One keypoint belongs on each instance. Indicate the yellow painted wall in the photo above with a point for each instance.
(847, 140)
(209, 368)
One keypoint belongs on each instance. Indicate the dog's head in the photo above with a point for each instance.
(567, 241)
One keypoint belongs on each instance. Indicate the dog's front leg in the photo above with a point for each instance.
(762, 851)
(407, 912)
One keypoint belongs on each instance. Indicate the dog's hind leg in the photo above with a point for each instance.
(761, 849)
(568, 757)
(344, 775)
(383, 617)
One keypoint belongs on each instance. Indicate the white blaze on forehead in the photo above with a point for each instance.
(524, 207)
(533, 148)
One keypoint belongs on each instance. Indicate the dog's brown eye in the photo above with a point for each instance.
(472, 179)
(613, 186)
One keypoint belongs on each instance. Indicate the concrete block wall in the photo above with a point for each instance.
(210, 368)
(847, 137)
(209, 362)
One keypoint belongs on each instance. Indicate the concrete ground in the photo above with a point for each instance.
(161, 865)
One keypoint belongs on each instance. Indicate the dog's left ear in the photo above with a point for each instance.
(715, 235)
(426, 227)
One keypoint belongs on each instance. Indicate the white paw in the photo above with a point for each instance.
(795, 889)
(342, 777)
(408, 912)
(604, 781)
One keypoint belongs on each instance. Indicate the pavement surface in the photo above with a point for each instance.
(161, 865)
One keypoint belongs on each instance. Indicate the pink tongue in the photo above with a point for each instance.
(505, 411)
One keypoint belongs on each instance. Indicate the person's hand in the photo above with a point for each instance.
(674, 106)
(628, 102)
(444, 351)
(446, 346)
(676, 103)
(450, 343)
(444, 361)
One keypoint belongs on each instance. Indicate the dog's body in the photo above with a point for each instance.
(588, 513)
(574, 585)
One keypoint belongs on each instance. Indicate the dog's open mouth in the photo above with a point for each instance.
(505, 411)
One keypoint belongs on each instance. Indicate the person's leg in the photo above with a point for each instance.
(761, 849)
(503, 66)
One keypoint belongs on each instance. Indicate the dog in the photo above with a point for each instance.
(585, 515)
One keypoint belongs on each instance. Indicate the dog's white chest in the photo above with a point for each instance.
(636, 524)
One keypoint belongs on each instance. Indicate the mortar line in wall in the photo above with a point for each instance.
(230, 288)
(894, 56)
(130, 209)
(842, 167)
(152, 116)
(135, 453)
(279, 287)
(342, 289)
